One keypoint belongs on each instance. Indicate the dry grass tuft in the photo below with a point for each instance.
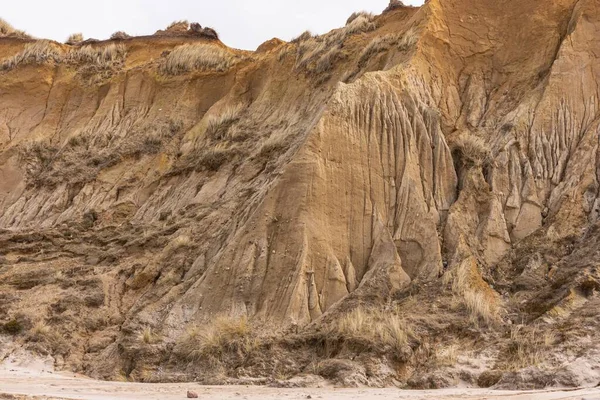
(362, 23)
(304, 36)
(394, 4)
(148, 336)
(376, 46)
(318, 54)
(39, 52)
(222, 335)
(74, 39)
(472, 149)
(308, 51)
(196, 28)
(458, 277)
(408, 39)
(374, 327)
(217, 125)
(210, 156)
(327, 60)
(184, 28)
(46, 339)
(101, 56)
(526, 348)
(120, 35)
(357, 14)
(7, 30)
(474, 294)
(40, 330)
(447, 356)
(178, 25)
(480, 308)
(97, 63)
(209, 33)
(381, 44)
(87, 153)
(201, 56)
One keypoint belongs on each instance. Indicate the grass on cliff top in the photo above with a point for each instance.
(394, 4)
(199, 56)
(120, 35)
(74, 39)
(179, 25)
(44, 51)
(40, 52)
(359, 14)
(319, 53)
(7, 30)
(100, 56)
(184, 27)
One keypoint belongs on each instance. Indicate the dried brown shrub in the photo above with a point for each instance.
(178, 26)
(74, 39)
(373, 327)
(95, 64)
(7, 30)
(394, 4)
(318, 54)
(303, 37)
(120, 35)
(210, 33)
(222, 335)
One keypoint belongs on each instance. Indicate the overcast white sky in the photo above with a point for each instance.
(241, 23)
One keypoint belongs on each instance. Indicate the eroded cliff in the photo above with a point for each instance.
(411, 199)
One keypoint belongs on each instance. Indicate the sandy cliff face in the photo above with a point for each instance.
(437, 163)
